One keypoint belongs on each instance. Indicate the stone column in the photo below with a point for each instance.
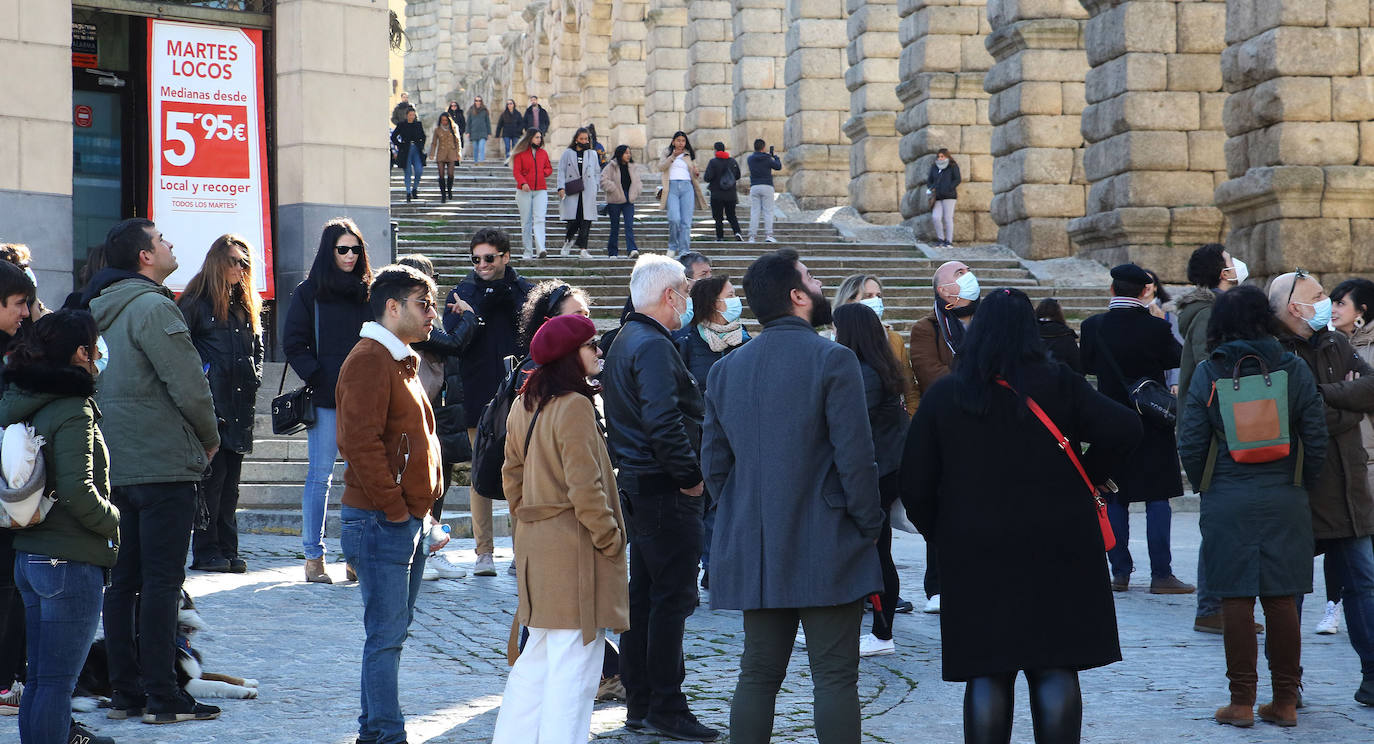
(1300, 128)
(875, 165)
(565, 104)
(1153, 127)
(943, 63)
(666, 69)
(537, 52)
(627, 77)
(1037, 99)
(814, 148)
(595, 78)
(36, 139)
(327, 165)
(421, 62)
(759, 52)
(708, 74)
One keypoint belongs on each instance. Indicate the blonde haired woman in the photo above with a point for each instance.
(223, 311)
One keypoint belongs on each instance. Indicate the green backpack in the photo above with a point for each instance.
(1254, 418)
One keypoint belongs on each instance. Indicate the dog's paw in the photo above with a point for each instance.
(250, 683)
(250, 693)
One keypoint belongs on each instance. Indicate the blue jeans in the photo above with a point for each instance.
(1157, 521)
(390, 560)
(479, 149)
(1353, 560)
(617, 212)
(62, 609)
(322, 448)
(510, 144)
(681, 200)
(415, 164)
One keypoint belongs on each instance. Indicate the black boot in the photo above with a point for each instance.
(450, 187)
(443, 190)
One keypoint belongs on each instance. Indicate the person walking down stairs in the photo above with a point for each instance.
(579, 174)
(621, 183)
(409, 139)
(447, 151)
(532, 169)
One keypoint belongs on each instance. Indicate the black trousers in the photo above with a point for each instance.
(882, 619)
(726, 208)
(665, 544)
(579, 229)
(155, 521)
(12, 638)
(220, 539)
(932, 579)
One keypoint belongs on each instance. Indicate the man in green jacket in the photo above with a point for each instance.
(159, 422)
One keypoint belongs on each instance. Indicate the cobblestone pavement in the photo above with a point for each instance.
(303, 642)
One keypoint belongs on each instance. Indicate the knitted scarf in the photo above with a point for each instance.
(721, 337)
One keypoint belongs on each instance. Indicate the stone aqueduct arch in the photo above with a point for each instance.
(1119, 129)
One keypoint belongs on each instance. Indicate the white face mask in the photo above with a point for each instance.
(1241, 270)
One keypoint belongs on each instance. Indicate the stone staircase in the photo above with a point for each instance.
(484, 197)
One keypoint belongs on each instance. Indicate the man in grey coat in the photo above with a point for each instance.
(798, 508)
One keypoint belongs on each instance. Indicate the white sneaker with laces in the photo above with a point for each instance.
(770, 239)
(9, 700)
(567, 247)
(443, 567)
(430, 574)
(871, 645)
(1331, 619)
(933, 605)
(584, 253)
(485, 566)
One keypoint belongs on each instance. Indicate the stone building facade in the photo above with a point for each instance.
(1117, 129)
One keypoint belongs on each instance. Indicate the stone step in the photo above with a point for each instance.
(286, 493)
(286, 522)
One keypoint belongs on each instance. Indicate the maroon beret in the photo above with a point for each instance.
(560, 336)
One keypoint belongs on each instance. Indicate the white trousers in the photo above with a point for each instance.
(551, 689)
(943, 215)
(534, 206)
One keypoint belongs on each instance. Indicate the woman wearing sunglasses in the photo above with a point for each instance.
(222, 310)
(322, 322)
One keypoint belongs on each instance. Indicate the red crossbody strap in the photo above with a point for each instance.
(1064, 443)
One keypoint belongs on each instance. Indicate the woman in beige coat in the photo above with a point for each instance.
(621, 184)
(681, 192)
(446, 151)
(569, 541)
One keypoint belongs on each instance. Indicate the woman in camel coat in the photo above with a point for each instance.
(569, 540)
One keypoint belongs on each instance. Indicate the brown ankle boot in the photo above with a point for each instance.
(1242, 652)
(314, 571)
(1285, 658)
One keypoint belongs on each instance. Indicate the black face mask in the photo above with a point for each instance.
(965, 311)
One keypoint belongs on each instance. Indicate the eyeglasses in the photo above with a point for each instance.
(478, 259)
(425, 305)
(344, 250)
(1297, 275)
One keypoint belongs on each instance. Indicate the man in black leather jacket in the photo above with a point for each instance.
(653, 418)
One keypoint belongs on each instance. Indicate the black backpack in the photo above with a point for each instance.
(726, 182)
(489, 448)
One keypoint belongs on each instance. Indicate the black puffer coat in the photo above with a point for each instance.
(497, 305)
(318, 361)
(232, 352)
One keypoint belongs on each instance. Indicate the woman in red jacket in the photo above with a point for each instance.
(532, 168)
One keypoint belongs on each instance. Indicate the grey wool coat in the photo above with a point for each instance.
(591, 178)
(794, 473)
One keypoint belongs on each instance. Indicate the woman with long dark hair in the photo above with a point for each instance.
(61, 563)
(1256, 521)
(1060, 340)
(681, 192)
(569, 540)
(621, 183)
(446, 150)
(510, 126)
(409, 139)
(579, 176)
(1026, 526)
(223, 311)
(322, 322)
(857, 327)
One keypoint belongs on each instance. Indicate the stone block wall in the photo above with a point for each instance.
(875, 166)
(709, 94)
(627, 76)
(594, 82)
(1154, 131)
(1037, 98)
(943, 105)
(665, 91)
(758, 55)
(1300, 140)
(815, 149)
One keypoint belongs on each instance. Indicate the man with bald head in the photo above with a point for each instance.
(1341, 503)
(935, 341)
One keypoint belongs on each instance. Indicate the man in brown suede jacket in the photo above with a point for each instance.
(387, 438)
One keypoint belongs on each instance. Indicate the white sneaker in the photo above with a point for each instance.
(933, 605)
(770, 239)
(443, 567)
(510, 570)
(9, 700)
(527, 255)
(634, 254)
(485, 566)
(1331, 619)
(871, 645)
(567, 247)
(584, 253)
(430, 573)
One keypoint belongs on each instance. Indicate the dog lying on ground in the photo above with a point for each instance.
(93, 684)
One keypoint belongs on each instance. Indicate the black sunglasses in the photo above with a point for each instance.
(347, 249)
(1298, 274)
(485, 258)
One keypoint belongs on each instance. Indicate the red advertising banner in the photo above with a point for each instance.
(207, 143)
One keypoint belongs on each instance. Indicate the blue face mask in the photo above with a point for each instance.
(734, 306)
(1321, 316)
(875, 304)
(104, 359)
(968, 286)
(685, 318)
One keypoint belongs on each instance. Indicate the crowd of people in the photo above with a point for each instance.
(781, 500)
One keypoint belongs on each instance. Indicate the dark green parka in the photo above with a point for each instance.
(1256, 524)
(83, 525)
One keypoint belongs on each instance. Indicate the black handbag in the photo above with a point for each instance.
(451, 426)
(294, 412)
(1152, 400)
(572, 186)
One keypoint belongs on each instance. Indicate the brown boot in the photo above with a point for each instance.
(314, 571)
(1242, 652)
(1285, 659)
